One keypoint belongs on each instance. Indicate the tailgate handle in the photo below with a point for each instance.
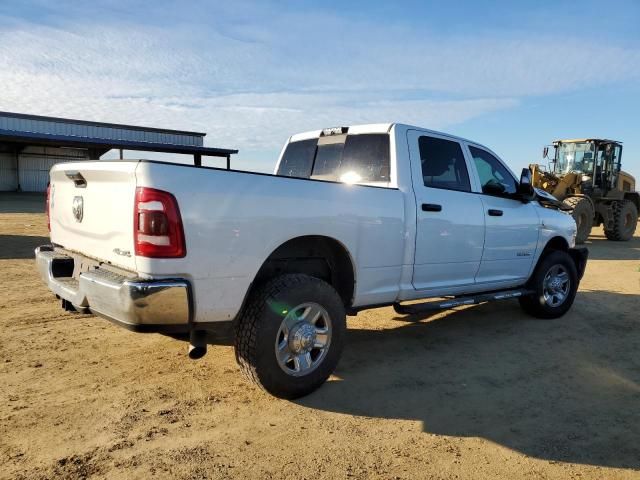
(77, 178)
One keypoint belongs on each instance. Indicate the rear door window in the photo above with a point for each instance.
(443, 164)
(361, 158)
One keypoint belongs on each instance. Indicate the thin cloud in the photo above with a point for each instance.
(253, 82)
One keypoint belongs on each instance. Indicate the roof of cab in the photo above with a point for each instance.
(374, 128)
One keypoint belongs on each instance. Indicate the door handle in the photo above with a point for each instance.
(431, 207)
(495, 213)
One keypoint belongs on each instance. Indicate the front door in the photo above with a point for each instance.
(450, 218)
(512, 230)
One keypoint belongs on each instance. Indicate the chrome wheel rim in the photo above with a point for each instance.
(303, 339)
(556, 286)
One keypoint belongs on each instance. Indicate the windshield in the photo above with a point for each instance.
(574, 157)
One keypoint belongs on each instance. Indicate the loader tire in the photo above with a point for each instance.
(582, 212)
(625, 220)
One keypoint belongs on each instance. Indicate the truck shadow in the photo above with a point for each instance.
(12, 202)
(602, 249)
(220, 335)
(563, 390)
(14, 247)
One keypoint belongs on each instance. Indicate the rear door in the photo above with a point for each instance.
(450, 218)
(512, 227)
(91, 209)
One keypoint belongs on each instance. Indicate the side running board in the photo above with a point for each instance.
(459, 301)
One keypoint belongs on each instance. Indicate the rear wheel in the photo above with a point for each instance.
(554, 282)
(582, 213)
(625, 220)
(290, 336)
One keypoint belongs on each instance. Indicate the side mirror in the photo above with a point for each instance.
(545, 152)
(525, 188)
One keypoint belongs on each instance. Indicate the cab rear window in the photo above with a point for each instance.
(361, 158)
(297, 160)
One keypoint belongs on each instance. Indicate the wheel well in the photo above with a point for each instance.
(556, 243)
(314, 255)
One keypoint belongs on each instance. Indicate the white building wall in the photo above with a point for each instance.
(35, 163)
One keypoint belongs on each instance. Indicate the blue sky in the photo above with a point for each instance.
(511, 75)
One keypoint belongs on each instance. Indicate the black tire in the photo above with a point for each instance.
(258, 330)
(625, 220)
(536, 304)
(583, 214)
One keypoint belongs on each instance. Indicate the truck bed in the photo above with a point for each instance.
(232, 222)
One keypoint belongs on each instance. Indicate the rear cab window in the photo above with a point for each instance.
(297, 159)
(358, 158)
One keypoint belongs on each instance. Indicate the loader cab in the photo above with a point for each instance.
(595, 162)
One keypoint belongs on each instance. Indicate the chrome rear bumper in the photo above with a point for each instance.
(138, 304)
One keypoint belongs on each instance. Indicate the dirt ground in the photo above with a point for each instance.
(482, 392)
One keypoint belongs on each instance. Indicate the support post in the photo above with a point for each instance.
(16, 152)
(228, 162)
(197, 160)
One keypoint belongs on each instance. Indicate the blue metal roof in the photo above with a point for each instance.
(29, 138)
(39, 130)
(20, 122)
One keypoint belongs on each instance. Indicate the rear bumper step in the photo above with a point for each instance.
(137, 304)
(417, 308)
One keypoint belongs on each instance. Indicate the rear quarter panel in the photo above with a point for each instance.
(234, 220)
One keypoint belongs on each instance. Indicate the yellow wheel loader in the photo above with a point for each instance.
(585, 174)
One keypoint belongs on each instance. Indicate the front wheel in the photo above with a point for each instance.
(290, 335)
(555, 283)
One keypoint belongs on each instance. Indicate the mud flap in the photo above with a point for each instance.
(579, 256)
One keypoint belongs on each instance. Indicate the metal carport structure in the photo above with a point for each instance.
(31, 144)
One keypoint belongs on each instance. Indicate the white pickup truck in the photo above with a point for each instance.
(352, 218)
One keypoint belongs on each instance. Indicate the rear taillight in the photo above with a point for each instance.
(157, 225)
(48, 205)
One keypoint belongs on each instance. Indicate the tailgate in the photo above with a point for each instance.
(91, 208)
